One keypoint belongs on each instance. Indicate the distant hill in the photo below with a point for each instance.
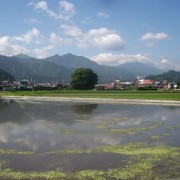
(60, 68)
(23, 56)
(128, 71)
(140, 69)
(35, 69)
(5, 76)
(172, 76)
(72, 61)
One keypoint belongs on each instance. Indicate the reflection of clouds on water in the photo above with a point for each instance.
(45, 126)
(138, 115)
(44, 137)
(8, 130)
(164, 118)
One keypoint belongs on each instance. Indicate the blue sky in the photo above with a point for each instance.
(110, 32)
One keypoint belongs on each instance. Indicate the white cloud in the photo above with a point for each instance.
(151, 39)
(116, 59)
(4, 41)
(55, 39)
(43, 52)
(164, 61)
(67, 6)
(103, 15)
(157, 36)
(71, 30)
(99, 32)
(33, 21)
(8, 48)
(110, 42)
(31, 35)
(42, 5)
(105, 39)
(102, 38)
(167, 64)
(67, 9)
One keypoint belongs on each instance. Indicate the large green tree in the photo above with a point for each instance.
(83, 79)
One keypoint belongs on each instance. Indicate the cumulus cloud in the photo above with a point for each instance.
(116, 59)
(43, 52)
(67, 9)
(105, 39)
(103, 15)
(71, 30)
(167, 64)
(110, 42)
(55, 39)
(9, 48)
(102, 38)
(164, 61)
(151, 39)
(31, 35)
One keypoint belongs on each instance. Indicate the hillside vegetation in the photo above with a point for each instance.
(60, 68)
(172, 76)
(5, 76)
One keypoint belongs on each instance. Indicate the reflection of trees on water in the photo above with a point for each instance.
(84, 108)
(10, 111)
(4, 103)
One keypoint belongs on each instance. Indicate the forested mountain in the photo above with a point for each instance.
(60, 68)
(172, 76)
(141, 69)
(23, 68)
(5, 76)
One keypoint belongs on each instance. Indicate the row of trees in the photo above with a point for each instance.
(83, 79)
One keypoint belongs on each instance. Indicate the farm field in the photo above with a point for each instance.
(146, 95)
(82, 140)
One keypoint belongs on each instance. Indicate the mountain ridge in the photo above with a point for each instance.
(5, 76)
(60, 68)
(171, 75)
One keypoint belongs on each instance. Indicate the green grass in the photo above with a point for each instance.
(146, 95)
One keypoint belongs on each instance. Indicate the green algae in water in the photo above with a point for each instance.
(11, 151)
(146, 163)
(132, 131)
(111, 122)
(160, 136)
(172, 127)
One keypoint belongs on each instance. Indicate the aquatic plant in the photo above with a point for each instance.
(144, 162)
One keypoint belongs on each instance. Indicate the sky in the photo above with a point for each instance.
(109, 32)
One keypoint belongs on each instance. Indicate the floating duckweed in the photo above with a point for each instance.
(173, 127)
(9, 174)
(127, 149)
(144, 163)
(132, 131)
(159, 136)
(8, 152)
(91, 174)
(111, 122)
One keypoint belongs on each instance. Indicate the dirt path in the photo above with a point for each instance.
(96, 100)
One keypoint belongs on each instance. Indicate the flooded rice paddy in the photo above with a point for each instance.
(73, 140)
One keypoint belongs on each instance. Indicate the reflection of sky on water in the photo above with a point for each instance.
(45, 126)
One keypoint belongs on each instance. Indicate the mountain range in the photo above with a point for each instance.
(171, 76)
(5, 76)
(60, 68)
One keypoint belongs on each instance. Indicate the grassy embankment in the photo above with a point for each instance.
(146, 95)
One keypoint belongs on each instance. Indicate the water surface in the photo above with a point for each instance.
(44, 127)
